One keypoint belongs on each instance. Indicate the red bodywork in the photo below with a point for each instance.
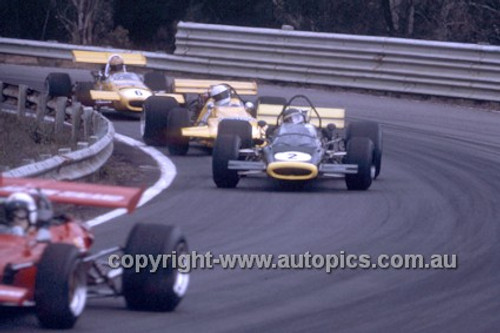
(24, 251)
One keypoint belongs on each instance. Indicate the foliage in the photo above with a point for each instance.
(150, 24)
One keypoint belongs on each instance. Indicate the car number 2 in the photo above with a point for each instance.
(295, 156)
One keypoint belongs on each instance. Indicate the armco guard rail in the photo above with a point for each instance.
(91, 133)
(380, 63)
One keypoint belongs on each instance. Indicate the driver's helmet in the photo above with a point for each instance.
(293, 116)
(221, 94)
(116, 63)
(20, 210)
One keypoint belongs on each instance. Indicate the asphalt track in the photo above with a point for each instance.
(438, 193)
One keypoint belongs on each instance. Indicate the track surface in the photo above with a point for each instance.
(438, 193)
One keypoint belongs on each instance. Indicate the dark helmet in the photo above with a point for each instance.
(293, 116)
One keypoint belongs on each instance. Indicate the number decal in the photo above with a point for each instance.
(292, 156)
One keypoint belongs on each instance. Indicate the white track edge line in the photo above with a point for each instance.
(167, 175)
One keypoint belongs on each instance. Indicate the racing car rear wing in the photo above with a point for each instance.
(269, 113)
(75, 193)
(95, 57)
(188, 86)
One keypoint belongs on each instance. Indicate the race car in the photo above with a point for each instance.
(302, 143)
(113, 85)
(165, 123)
(46, 261)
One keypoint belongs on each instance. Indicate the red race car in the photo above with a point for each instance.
(46, 263)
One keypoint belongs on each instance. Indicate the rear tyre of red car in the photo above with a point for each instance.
(177, 119)
(360, 152)
(226, 148)
(163, 289)
(154, 119)
(58, 84)
(60, 286)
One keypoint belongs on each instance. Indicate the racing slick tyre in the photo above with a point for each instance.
(156, 81)
(360, 151)
(176, 143)
(226, 148)
(82, 93)
(371, 130)
(159, 290)
(58, 84)
(154, 119)
(60, 286)
(240, 128)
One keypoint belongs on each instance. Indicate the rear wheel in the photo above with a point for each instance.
(176, 142)
(82, 93)
(163, 289)
(240, 128)
(58, 84)
(226, 148)
(156, 81)
(154, 119)
(360, 152)
(371, 130)
(60, 286)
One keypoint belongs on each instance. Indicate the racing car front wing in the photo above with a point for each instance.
(323, 169)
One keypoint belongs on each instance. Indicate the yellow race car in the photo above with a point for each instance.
(113, 85)
(165, 123)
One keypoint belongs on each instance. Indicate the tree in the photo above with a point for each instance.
(84, 20)
(399, 16)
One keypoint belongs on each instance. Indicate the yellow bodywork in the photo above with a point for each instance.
(129, 95)
(281, 170)
(208, 132)
(190, 86)
(95, 57)
(269, 113)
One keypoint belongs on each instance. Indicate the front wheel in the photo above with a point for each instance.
(60, 286)
(360, 152)
(226, 148)
(371, 130)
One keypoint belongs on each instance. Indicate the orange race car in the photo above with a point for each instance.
(46, 262)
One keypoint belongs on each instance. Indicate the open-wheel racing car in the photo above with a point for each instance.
(301, 144)
(49, 266)
(165, 123)
(113, 85)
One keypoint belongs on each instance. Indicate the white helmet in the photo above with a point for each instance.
(116, 63)
(21, 201)
(221, 94)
